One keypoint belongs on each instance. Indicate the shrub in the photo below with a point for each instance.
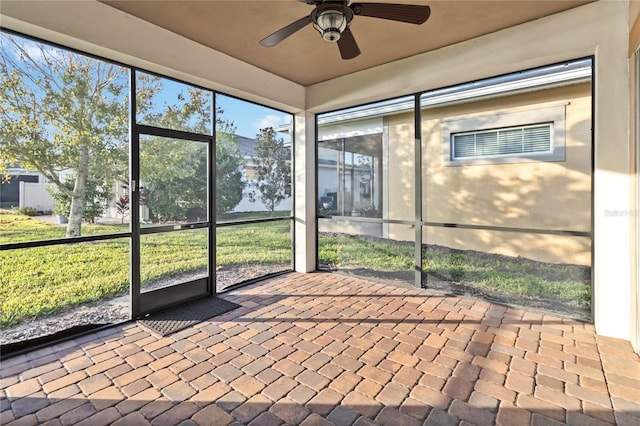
(27, 211)
(94, 204)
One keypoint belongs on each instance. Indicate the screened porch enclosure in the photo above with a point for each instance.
(485, 195)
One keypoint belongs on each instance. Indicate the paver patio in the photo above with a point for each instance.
(324, 348)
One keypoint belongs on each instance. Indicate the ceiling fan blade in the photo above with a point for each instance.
(285, 32)
(409, 13)
(347, 44)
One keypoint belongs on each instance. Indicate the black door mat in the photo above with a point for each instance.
(175, 319)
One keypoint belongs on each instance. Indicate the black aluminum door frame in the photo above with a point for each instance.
(144, 303)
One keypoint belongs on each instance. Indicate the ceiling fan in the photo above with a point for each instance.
(332, 19)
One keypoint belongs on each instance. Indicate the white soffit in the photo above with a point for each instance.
(368, 126)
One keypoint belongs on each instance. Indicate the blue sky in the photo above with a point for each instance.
(248, 118)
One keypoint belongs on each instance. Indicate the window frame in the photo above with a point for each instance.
(553, 114)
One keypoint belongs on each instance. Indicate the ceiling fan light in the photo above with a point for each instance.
(331, 35)
(330, 23)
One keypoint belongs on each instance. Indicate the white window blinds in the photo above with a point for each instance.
(507, 141)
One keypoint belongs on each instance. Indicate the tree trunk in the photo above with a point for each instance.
(74, 227)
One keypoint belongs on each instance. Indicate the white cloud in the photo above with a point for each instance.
(34, 50)
(270, 120)
(39, 52)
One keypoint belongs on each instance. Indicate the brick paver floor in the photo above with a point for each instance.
(321, 348)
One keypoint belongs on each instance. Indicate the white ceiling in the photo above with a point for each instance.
(236, 27)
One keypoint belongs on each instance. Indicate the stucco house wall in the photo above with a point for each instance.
(537, 195)
(399, 147)
(541, 195)
(634, 132)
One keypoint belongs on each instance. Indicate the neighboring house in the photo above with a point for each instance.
(517, 156)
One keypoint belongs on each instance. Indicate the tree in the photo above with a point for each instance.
(174, 172)
(66, 114)
(229, 165)
(61, 111)
(273, 169)
(122, 206)
(173, 175)
(96, 198)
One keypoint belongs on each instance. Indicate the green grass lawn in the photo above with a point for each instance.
(517, 276)
(491, 273)
(38, 281)
(15, 228)
(348, 250)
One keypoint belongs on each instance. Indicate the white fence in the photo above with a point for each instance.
(36, 196)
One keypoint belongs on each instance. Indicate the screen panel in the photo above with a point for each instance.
(45, 290)
(248, 251)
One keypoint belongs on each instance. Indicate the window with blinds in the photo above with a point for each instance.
(499, 142)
